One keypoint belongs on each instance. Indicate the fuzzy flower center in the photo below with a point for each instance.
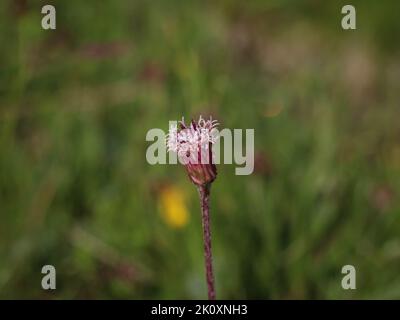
(193, 143)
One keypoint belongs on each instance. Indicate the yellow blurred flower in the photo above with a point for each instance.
(173, 206)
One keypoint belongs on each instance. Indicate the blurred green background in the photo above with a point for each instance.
(76, 191)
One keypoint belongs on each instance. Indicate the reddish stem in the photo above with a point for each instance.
(204, 192)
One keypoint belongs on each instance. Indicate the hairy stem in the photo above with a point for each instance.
(204, 192)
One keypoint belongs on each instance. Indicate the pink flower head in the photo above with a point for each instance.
(193, 145)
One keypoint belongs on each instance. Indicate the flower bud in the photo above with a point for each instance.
(193, 144)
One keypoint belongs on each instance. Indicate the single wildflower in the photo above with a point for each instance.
(193, 145)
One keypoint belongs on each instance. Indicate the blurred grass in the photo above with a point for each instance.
(76, 190)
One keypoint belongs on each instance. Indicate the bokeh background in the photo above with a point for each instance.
(76, 191)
